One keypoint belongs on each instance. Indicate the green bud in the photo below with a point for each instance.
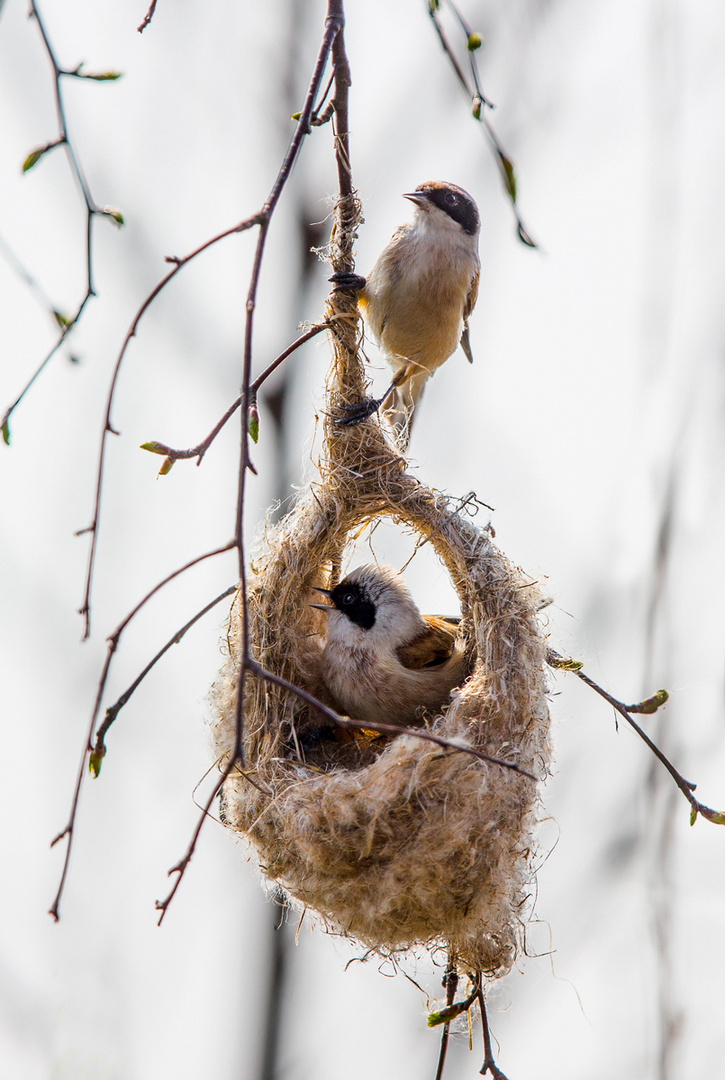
(253, 422)
(94, 762)
(6, 433)
(475, 41)
(564, 663)
(115, 215)
(295, 116)
(477, 103)
(33, 159)
(103, 76)
(650, 704)
(153, 447)
(444, 1016)
(166, 466)
(509, 176)
(61, 319)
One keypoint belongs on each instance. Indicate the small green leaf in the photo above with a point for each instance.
(475, 41)
(295, 116)
(693, 815)
(166, 466)
(94, 762)
(564, 663)
(33, 158)
(6, 433)
(153, 447)
(253, 423)
(650, 704)
(61, 319)
(114, 214)
(444, 1016)
(103, 76)
(509, 176)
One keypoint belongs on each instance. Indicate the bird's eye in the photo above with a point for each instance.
(348, 598)
(451, 198)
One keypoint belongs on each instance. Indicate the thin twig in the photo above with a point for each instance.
(92, 208)
(348, 723)
(685, 786)
(178, 264)
(477, 100)
(450, 982)
(489, 1065)
(147, 17)
(334, 23)
(99, 749)
(113, 642)
(201, 448)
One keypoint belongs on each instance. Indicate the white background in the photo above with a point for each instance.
(593, 414)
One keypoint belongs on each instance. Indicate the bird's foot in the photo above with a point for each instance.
(347, 280)
(361, 410)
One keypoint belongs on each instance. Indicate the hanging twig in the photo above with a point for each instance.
(201, 448)
(147, 17)
(99, 749)
(450, 984)
(649, 705)
(477, 99)
(334, 23)
(92, 208)
(113, 641)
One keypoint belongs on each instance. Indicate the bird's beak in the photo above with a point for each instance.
(417, 197)
(325, 592)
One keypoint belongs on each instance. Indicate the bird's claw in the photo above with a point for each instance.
(361, 410)
(346, 280)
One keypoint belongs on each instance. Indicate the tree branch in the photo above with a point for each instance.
(648, 706)
(113, 642)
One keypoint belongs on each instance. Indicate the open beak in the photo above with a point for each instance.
(328, 594)
(417, 197)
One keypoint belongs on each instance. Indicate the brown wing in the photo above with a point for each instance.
(467, 309)
(432, 647)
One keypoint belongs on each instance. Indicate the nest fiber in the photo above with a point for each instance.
(399, 842)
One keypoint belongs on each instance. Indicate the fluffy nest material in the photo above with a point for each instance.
(396, 842)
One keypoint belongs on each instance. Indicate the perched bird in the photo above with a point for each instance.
(383, 661)
(417, 298)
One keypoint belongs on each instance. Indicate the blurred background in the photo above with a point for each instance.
(591, 421)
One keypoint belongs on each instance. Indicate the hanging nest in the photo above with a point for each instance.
(396, 842)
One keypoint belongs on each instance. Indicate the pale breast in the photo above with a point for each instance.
(416, 296)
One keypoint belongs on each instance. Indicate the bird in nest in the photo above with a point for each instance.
(383, 661)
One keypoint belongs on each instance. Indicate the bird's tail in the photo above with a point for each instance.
(400, 410)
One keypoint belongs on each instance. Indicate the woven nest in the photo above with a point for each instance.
(396, 842)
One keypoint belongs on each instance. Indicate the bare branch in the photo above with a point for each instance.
(334, 23)
(99, 749)
(685, 786)
(147, 17)
(92, 208)
(113, 642)
(178, 264)
(201, 448)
